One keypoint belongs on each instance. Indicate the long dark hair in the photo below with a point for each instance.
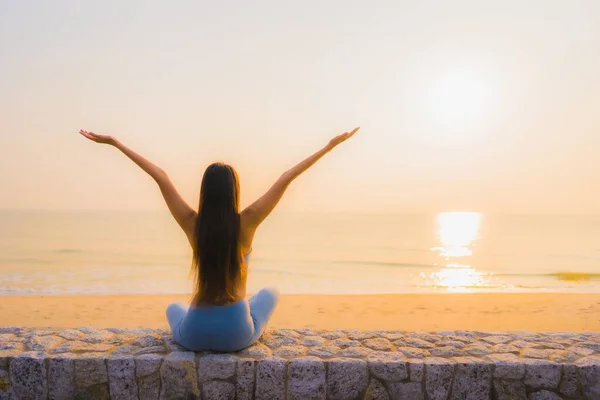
(218, 259)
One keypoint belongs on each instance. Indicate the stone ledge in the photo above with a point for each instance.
(300, 364)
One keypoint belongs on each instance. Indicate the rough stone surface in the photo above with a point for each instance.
(414, 352)
(505, 348)
(327, 351)
(343, 343)
(270, 379)
(581, 351)
(278, 341)
(149, 387)
(311, 341)
(5, 389)
(414, 342)
(589, 371)
(95, 363)
(356, 352)
(472, 379)
(10, 346)
(541, 374)
(376, 391)
(438, 377)
(97, 336)
(544, 395)
(43, 343)
(381, 344)
(507, 366)
(497, 339)
(11, 329)
(90, 371)
(28, 375)
(390, 367)
(151, 340)
(416, 370)
(61, 377)
(245, 379)
(447, 351)
(452, 343)
(149, 350)
(346, 378)
(536, 353)
(81, 347)
(392, 335)
(91, 376)
(71, 334)
(218, 390)
(332, 335)
(431, 337)
(178, 376)
(216, 366)
(148, 364)
(257, 350)
(291, 351)
(362, 335)
(406, 390)
(564, 356)
(286, 333)
(172, 346)
(306, 379)
(569, 385)
(147, 371)
(126, 350)
(306, 332)
(509, 390)
(121, 378)
(478, 350)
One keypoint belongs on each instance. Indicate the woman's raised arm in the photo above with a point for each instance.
(181, 211)
(261, 208)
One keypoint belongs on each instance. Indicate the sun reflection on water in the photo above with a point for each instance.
(457, 233)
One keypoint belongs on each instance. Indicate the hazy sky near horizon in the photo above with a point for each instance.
(466, 105)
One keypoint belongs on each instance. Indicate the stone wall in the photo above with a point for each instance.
(92, 363)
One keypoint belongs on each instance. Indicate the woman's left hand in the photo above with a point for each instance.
(342, 138)
(105, 139)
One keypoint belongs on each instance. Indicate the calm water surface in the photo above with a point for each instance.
(144, 252)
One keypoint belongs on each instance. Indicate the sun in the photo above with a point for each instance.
(459, 96)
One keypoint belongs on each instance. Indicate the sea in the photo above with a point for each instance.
(144, 252)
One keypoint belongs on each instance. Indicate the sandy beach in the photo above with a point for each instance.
(532, 312)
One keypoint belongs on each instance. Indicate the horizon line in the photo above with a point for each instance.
(356, 212)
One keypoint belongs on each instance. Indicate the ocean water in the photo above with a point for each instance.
(145, 252)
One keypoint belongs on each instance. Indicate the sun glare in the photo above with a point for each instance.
(459, 97)
(457, 234)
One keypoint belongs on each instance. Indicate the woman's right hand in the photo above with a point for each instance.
(342, 138)
(94, 137)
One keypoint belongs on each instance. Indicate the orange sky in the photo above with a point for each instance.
(483, 106)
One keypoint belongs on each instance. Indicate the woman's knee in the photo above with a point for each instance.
(175, 310)
(173, 307)
(271, 292)
(264, 302)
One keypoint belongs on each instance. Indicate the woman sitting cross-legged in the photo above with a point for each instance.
(219, 317)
